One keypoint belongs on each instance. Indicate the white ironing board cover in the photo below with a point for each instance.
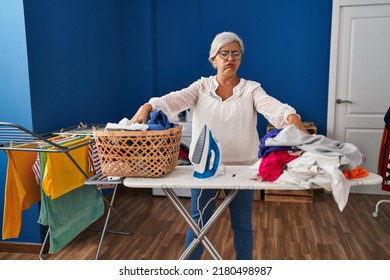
(233, 177)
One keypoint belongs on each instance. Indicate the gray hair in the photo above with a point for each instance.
(222, 39)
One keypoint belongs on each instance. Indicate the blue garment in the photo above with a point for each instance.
(264, 151)
(158, 121)
(240, 217)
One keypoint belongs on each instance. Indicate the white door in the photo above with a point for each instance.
(359, 81)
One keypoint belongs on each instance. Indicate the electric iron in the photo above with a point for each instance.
(206, 156)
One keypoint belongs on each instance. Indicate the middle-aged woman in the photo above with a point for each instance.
(228, 105)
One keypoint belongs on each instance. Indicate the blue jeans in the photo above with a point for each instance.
(240, 217)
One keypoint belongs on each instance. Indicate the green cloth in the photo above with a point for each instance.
(70, 214)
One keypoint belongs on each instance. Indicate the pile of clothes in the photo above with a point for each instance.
(290, 156)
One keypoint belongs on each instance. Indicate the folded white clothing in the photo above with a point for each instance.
(126, 125)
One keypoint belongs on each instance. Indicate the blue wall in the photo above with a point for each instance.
(287, 45)
(15, 103)
(74, 50)
(138, 79)
(97, 60)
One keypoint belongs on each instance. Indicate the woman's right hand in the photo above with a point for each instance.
(142, 114)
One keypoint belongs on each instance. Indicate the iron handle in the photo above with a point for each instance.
(339, 101)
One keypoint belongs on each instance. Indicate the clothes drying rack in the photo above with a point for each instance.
(12, 136)
(384, 162)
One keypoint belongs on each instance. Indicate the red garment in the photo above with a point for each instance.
(384, 156)
(272, 166)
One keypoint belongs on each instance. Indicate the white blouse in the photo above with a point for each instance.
(233, 121)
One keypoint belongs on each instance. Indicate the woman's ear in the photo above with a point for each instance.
(213, 63)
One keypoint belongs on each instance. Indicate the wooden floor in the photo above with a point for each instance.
(283, 231)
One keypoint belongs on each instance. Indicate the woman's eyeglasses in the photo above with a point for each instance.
(234, 54)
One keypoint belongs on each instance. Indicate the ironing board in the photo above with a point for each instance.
(232, 177)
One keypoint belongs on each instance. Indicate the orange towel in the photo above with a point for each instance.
(358, 172)
(21, 191)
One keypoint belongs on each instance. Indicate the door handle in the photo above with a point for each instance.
(339, 101)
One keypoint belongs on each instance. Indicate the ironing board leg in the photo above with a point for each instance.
(110, 205)
(194, 227)
(201, 233)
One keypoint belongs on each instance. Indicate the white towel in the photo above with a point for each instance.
(126, 125)
(312, 169)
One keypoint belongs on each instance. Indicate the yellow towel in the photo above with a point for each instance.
(61, 175)
(21, 190)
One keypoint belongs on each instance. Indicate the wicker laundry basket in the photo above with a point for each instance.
(151, 153)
